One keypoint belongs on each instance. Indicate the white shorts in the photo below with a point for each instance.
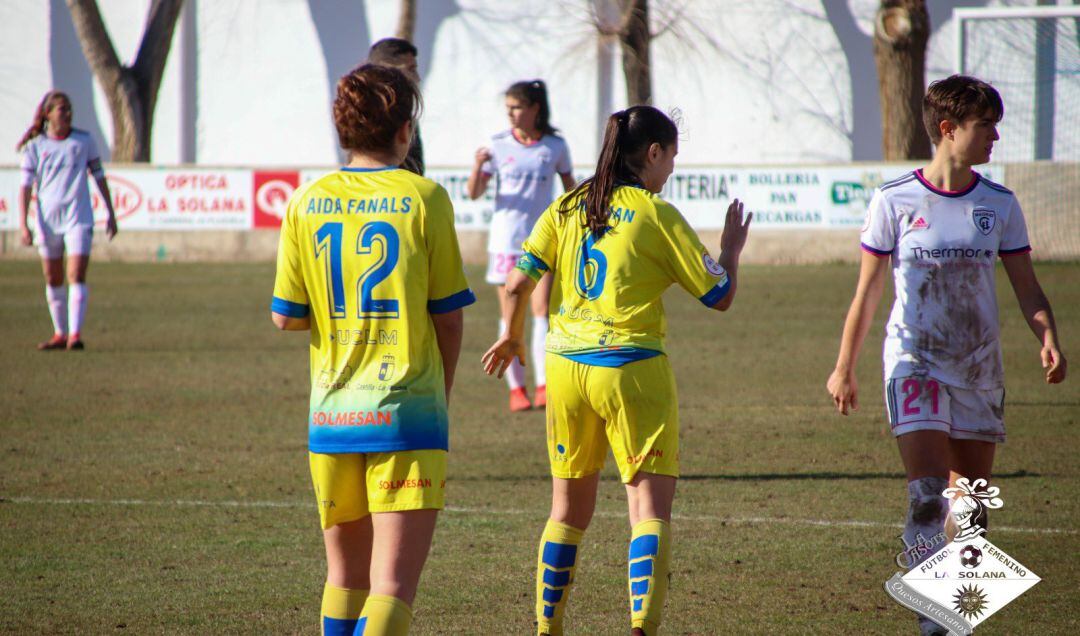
(499, 266)
(75, 241)
(921, 403)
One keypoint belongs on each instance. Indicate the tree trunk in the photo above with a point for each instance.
(901, 31)
(635, 39)
(406, 26)
(131, 90)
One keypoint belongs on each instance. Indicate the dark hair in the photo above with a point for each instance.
(373, 102)
(388, 50)
(627, 137)
(37, 127)
(535, 92)
(957, 98)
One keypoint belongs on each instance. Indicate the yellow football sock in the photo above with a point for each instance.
(340, 610)
(384, 616)
(650, 555)
(555, 574)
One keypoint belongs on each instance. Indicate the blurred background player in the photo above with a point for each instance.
(55, 162)
(369, 262)
(401, 54)
(524, 161)
(944, 227)
(613, 247)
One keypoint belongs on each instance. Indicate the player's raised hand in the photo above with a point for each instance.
(1054, 363)
(483, 154)
(501, 354)
(735, 229)
(844, 391)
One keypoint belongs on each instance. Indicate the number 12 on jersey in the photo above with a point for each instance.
(328, 241)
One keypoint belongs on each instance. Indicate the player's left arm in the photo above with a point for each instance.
(289, 307)
(568, 182)
(449, 327)
(1036, 309)
(94, 167)
(565, 167)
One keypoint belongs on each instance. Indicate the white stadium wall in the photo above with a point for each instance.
(249, 82)
(777, 101)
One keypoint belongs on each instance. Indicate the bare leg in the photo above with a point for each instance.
(400, 547)
(76, 268)
(973, 459)
(650, 496)
(574, 500)
(53, 268)
(348, 554)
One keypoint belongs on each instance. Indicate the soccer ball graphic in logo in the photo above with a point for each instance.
(970, 556)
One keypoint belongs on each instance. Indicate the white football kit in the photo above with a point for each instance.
(943, 367)
(58, 168)
(524, 188)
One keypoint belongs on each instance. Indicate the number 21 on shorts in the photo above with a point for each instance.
(916, 399)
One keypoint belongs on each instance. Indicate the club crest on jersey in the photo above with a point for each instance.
(711, 265)
(984, 218)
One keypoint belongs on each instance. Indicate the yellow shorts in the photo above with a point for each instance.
(349, 486)
(632, 408)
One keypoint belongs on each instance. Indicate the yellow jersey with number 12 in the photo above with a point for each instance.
(369, 254)
(606, 306)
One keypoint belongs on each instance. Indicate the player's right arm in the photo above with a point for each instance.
(290, 309)
(878, 243)
(480, 175)
(842, 386)
(26, 185)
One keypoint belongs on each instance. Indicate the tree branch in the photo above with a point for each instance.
(97, 46)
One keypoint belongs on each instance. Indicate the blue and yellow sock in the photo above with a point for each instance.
(650, 555)
(340, 610)
(384, 615)
(555, 574)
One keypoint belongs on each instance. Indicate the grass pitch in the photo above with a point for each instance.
(157, 482)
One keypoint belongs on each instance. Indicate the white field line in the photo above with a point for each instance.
(823, 523)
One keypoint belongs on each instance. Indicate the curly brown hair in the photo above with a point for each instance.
(372, 104)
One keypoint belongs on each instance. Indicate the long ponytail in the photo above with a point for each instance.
(40, 117)
(627, 137)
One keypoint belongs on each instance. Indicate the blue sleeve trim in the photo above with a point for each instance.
(1020, 250)
(461, 299)
(875, 251)
(531, 265)
(716, 294)
(288, 308)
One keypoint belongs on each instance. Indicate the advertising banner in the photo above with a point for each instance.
(240, 199)
(9, 199)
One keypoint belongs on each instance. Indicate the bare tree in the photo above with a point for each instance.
(901, 31)
(406, 26)
(131, 90)
(634, 36)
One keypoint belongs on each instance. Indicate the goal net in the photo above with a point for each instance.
(1031, 55)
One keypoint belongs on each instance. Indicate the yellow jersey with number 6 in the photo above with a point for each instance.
(606, 306)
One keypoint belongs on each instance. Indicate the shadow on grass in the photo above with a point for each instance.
(821, 476)
(825, 476)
